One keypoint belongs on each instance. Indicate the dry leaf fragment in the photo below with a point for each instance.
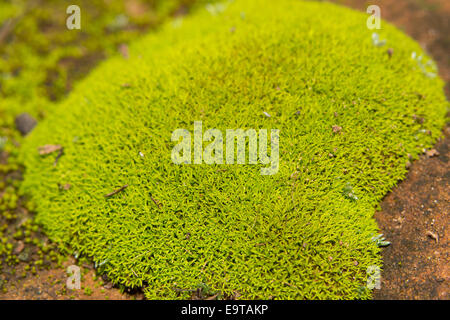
(49, 148)
(108, 286)
(294, 175)
(432, 152)
(19, 248)
(235, 295)
(433, 236)
(25, 123)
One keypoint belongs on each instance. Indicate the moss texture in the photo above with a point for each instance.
(350, 114)
(39, 62)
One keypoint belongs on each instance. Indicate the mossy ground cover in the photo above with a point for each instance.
(40, 59)
(350, 116)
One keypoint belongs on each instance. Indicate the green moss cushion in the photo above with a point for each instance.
(348, 115)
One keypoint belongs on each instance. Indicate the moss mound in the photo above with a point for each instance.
(348, 114)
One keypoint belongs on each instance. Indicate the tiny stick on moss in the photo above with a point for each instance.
(116, 191)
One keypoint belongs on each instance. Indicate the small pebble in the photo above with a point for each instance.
(25, 123)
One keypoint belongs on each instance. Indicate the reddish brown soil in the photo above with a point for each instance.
(414, 218)
(51, 285)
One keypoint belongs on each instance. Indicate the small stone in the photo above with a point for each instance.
(294, 175)
(25, 123)
(108, 285)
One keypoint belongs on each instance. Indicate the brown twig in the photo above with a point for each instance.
(116, 191)
(184, 290)
(6, 29)
(156, 202)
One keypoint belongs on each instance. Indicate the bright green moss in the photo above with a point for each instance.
(305, 232)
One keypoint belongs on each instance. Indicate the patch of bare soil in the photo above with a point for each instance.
(414, 218)
(51, 284)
